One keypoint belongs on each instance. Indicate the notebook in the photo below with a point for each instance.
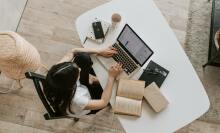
(154, 73)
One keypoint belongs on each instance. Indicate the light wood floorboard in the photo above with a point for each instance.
(49, 26)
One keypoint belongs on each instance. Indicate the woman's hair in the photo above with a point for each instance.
(60, 85)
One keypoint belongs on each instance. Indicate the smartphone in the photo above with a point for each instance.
(98, 31)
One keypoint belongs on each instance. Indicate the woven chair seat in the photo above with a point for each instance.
(17, 56)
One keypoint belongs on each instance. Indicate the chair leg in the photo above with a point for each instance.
(19, 83)
(206, 64)
(76, 119)
(211, 60)
(45, 67)
(12, 87)
(7, 90)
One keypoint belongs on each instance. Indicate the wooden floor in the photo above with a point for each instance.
(49, 26)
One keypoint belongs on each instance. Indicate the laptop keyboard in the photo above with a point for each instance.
(128, 64)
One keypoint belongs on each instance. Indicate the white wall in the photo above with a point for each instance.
(10, 13)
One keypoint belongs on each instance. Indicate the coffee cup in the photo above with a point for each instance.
(116, 18)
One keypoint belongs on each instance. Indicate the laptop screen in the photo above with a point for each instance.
(134, 45)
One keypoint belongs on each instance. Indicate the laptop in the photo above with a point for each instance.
(133, 52)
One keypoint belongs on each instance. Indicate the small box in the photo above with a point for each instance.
(155, 98)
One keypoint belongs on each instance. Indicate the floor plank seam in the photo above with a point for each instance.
(21, 15)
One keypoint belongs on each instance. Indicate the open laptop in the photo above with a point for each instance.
(133, 52)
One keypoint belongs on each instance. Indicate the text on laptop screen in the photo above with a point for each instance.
(130, 40)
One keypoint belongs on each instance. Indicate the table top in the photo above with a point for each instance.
(184, 90)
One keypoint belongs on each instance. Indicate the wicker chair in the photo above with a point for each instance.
(17, 56)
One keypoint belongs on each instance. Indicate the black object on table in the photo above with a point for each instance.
(154, 73)
(213, 53)
(98, 31)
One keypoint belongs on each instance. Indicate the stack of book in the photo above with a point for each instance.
(130, 94)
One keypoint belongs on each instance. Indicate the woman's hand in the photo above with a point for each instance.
(115, 70)
(95, 104)
(93, 80)
(109, 52)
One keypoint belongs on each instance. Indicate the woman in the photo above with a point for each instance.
(70, 88)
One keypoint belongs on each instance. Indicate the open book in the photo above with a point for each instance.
(129, 97)
(130, 94)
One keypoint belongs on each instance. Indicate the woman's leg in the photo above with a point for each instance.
(84, 61)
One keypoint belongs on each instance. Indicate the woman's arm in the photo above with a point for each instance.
(114, 71)
(105, 53)
(106, 95)
(69, 55)
(85, 50)
(109, 52)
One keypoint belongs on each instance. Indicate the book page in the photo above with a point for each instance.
(128, 106)
(131, 89)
